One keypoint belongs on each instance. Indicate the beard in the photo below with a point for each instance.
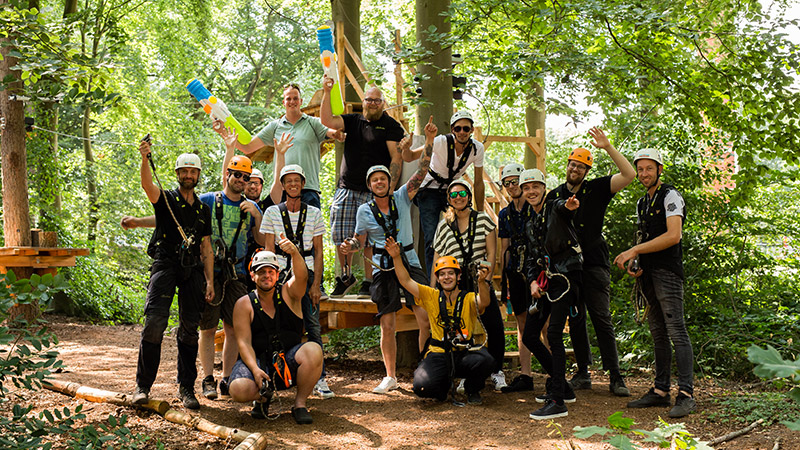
(373, 115)
(188, 184)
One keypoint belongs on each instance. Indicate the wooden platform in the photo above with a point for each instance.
(353, 312)
(39, 257)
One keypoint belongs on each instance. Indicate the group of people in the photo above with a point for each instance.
(261, 263)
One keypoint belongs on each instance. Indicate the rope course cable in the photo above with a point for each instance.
(135, 144)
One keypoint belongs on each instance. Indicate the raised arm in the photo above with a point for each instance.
(255, 144)
(325, 115)
(393, 248)
(296, 286)
(152, 191)
(483, 289)
(415, 181)
(396, 165)
(230, 148)
(129, 222)
(281, 147)
(626, 171)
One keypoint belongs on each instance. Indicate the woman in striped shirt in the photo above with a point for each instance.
(471, 237)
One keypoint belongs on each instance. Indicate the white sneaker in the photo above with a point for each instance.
(322, 389)
(460, 388)
(387, 384)
(499, 380)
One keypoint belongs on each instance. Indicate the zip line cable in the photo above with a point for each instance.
(135, 144)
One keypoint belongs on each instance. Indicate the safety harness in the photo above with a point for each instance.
(389, 226)
(296, 236)
(224, 254)
(517, 248)
(454, 330)
(452, 169)
(465, 243)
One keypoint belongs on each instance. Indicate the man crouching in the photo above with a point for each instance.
(268, 324)
(453, 315)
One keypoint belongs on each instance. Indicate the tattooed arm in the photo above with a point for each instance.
(424, 163)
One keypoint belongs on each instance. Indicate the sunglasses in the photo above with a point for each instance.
(511, 182)
(455, 194)
(238, 174)
(465, 128)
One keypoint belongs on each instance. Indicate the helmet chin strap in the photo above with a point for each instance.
(293, 196)
(380, 196)
(466, 206)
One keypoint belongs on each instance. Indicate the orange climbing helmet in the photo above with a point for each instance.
(241, 163)
(582, 156)
(446, 262)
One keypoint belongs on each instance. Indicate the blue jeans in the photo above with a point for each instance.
(664, 292)
(431, 202)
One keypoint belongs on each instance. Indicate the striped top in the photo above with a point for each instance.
(444, 243)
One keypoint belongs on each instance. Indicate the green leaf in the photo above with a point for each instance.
(587, 432)
(619, 422)
(622, 442)
(794, 426)
(770, 363)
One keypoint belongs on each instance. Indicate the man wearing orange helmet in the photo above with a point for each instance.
(453, 316)
(235, 220)
(594, 196)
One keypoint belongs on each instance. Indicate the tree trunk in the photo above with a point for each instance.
(349, 13)
(534, 120)
(70, 7)
(16, 209)
(435, 71)
(91, 179)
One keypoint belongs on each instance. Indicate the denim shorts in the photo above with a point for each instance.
(240, 369)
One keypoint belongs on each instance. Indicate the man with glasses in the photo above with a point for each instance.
(594, 196)
(371, 140)
(452, 155)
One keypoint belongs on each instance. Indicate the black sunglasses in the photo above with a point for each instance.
(455, 194)
(511, 182)
(466, 128)
(238, 174)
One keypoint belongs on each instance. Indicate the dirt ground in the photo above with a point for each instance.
(105, 358)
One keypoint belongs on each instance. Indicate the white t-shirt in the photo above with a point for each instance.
(439, 161)
(673, 203)
(315, 226)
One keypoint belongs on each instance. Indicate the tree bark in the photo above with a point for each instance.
(435, 71)
(16, 208)
(534, 120)
(91, 178)
(70, 7)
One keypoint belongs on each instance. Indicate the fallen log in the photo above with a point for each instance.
(734, 434)
(254, 441)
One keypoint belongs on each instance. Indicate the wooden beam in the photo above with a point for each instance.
(398, 71)
(354, 82)
(37, 262)
(357, 60)
(341, 57)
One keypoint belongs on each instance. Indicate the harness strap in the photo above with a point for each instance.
(230, 250)
(451, 157)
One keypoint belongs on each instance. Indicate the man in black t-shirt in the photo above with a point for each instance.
(371, 140)
(594, 196)
(181, 250)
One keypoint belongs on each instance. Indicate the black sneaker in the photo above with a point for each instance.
(363, 291)
(209, 387)
(618, 388)
(223, 387)
(684, 405)
(141, 395)
(581, 380)
(260, 410)
(187, 397)
(650, 399)
(568, 398)
(550, 410)
(343, 286)
(474, 398)
(302, 416)
(519, 384)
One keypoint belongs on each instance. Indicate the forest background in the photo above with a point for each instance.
(712, 84)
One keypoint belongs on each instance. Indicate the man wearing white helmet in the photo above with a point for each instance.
(553, 271)
(181, 250)
(657, 262)
(269, 329)
(511, 231)
(453, 154)
(372, 139)
(302, 224)
(595, 196)
(387, 216)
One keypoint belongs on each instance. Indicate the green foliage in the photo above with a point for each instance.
(665, 435)
(770, 364)
(745, 409)
(99, 293)
(343, 341)
(109, 434)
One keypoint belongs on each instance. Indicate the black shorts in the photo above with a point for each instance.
(518, 292)
(234, 290)
(385, 290)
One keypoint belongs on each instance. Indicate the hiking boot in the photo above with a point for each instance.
(580, 381)
(187, 397)
(498, 380)
(322, 389)
(260, 410)
(618, 388)
(474, 398)
(519, 384)
(683, 406)
(387, 384)
(302, 416)
(550, 410)
(343, 286)
(141, 395)
(223, 387)
(650, 399)
(209, 387)
(363, 291)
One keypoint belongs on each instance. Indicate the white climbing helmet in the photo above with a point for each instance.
(264, 258)
(188, 160)
(648, 153)
(511, 170)
(532, 176)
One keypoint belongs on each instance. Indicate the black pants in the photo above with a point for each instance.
(165, 277)
(495, 331)
(595, 296)
(554, 362)
(432, 377)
